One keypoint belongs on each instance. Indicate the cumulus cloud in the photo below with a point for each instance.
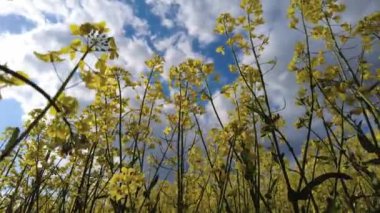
(17, 49)
(116, 13)
(176, 48)
(222, 106)
(133, 53)
(197, 17)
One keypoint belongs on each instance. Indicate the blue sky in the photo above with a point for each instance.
(177, 29)
(15, 23)
(10, 113)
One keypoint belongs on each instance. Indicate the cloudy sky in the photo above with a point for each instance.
(176, 29)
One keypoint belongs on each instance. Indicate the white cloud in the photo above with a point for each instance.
(116, 13)
(177, 48)
(133, 53)
(197, 17)
(17, 49)
(222, 105)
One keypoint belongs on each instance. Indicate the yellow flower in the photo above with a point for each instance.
(125, 183)
(167, 130)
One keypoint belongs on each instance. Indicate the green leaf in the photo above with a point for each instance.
(42, 57)
(76, 43)
(86, 28)
(101, 26)
(375, 161)
(306, 191)
(365, 142)
(74, 29)
(49, 57)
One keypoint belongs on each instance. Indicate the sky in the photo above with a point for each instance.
(176, 29)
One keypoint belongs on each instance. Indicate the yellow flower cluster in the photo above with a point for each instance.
(126, 183)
